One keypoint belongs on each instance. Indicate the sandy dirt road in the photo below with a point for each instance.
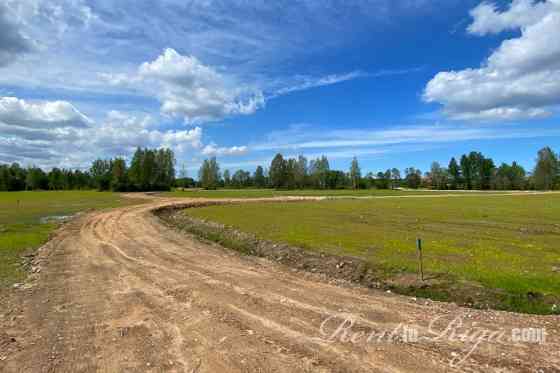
(118, 291)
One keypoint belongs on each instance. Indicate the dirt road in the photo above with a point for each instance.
(120, 292)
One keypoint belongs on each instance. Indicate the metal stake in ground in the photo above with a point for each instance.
(420, 260)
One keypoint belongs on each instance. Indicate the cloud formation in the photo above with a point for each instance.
(192, 90)
(211, 150)
(309, 138)
(12, 42)
(519, 80)
(49, 114)
(55, 133)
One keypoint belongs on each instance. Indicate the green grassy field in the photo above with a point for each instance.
(510, 243)
(266, 193)
(27, 224)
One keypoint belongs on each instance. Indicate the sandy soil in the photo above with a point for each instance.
(118, 291)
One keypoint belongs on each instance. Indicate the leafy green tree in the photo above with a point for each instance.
(152, 169)
(413, 178)
(290, 175)
(36, 179)
(82, 180)
(486, 171)
(467, 171)
(395, 178)
(438, 176)
(227, 179)
(383, 180)
(454, 173)
(477, 171)
(119, 177)
(546, 170)
(277, 172)
(56, 179)
(337, 180)
(209, 174)
(517, 176)
(259, 178)
(135, 173)
(101, 174)
(12, 178)
(318, 170)
(5, 178)
(241, 179)
(369, 180)
(355, 173)
(300, 172)
(475, 161)
(149, 169)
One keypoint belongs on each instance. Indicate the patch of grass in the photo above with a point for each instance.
(506, 244)
(267, 193)
(27, 219)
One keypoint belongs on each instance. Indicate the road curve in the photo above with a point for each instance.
(118, 291)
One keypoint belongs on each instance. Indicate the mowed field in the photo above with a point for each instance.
(27, 219)
(510, 244)
(266, 193)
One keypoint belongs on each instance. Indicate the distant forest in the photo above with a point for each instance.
(149, 170)
(471, 171)
(154, 170)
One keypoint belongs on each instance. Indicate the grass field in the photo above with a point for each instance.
(27, 224)
(266, 193)
(510, 243)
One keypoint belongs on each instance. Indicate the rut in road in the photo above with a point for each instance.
(122, 292)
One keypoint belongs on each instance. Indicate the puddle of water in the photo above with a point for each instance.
(54, 219)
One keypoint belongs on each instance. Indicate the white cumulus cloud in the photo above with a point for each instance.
(190, 89)
(520, 79)
(51, 114)
(55, 133)
(521, 13)
(212, 150)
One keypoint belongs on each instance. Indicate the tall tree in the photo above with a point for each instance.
(119, 177)
(383, 180)
(56, 179)
(277, 171)
(395, 178)
(413, 177)
(36, 179)
(546, 169)
(290, 175)
(355, 173)
(517, 176)
(487, 168)
(241, 179)
(300, 172)
(135, 173)
(455, 173)
(227, 178)
(467, 171)
(101, 174)
(318, 170)
(259, 178)
(438, 176)
(209, 174)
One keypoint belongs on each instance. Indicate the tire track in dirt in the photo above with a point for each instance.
(122, 292)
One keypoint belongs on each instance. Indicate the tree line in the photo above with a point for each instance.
(472, 171)
(154, 170)
(149, 170)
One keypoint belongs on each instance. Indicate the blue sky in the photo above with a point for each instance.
(396, 83)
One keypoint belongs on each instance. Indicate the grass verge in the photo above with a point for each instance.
(28, 218)
(267, 193)
(483, 251)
